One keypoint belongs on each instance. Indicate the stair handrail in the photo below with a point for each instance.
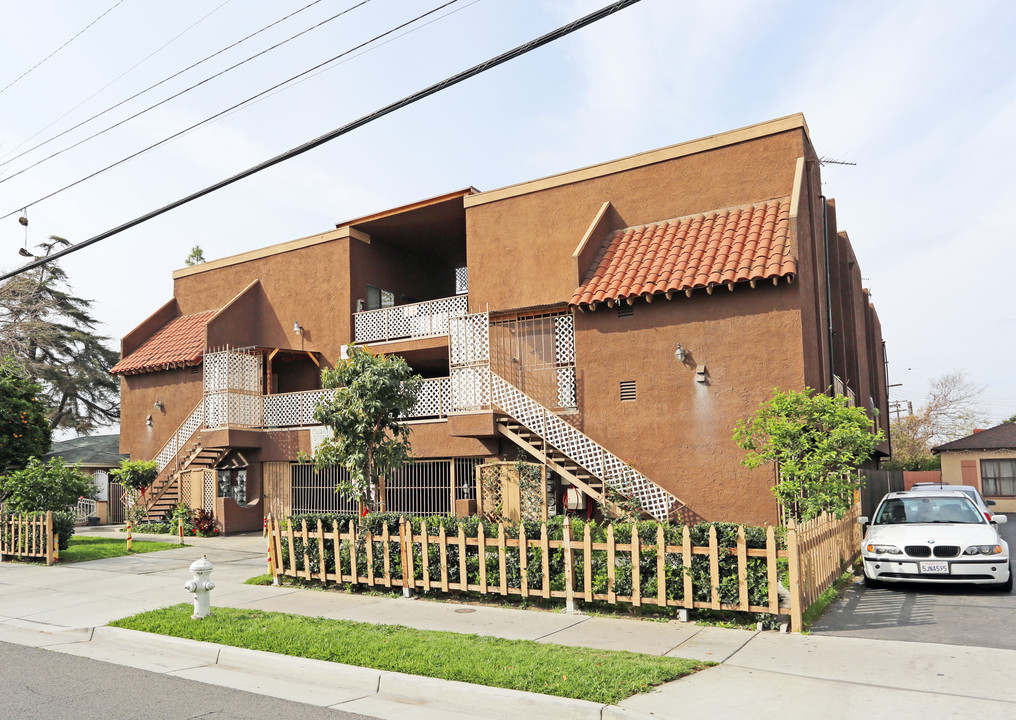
(181, 436)
(582, 449)
(171, 450)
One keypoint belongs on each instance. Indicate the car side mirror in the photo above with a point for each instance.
(999, 519)
(863, 520)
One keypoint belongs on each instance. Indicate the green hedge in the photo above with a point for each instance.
(758, 583)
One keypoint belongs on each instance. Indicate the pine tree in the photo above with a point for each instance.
(52, 335)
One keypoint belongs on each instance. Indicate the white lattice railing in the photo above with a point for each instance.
(180, 438)
(434, 399)
(423, 319)
(582, 449)
(294, 409)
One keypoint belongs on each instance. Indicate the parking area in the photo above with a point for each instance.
(957, 615)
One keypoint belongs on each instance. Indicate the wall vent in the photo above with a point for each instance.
(627, 390)
(625, 310)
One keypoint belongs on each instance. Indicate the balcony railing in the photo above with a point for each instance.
(296, 409)
(418, 320)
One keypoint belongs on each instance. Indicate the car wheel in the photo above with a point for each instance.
(873, 584)
(1006, 587)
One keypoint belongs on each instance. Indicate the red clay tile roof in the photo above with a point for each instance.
(178, 343)
(715, 248)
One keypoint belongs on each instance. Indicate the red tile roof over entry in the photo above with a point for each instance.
(715, 248)
(178, 343)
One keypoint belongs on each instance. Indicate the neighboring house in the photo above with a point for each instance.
(97, 455)
(612, 323)
(986, 460)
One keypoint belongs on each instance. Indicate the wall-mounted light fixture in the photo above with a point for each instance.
(297, 329)
(148, 421)
(680, 353)
(159, 405)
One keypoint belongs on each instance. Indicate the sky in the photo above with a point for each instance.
(919, 96)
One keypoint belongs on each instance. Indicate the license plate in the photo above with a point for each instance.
(935, 568)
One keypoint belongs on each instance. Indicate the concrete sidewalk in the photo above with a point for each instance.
(764, 674)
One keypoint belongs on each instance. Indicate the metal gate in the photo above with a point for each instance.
(536, 354)
(115, 506)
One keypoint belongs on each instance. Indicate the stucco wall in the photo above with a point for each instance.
(179, 390)
(530, 238)
(678, 431)
(305, 285)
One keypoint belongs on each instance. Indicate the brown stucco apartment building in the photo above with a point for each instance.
(612, 322)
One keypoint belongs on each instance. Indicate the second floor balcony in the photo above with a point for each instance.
(403, 322)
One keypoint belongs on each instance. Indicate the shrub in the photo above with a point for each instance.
(52, 485)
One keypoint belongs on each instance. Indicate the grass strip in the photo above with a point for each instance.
(602, 676)
(82, 549)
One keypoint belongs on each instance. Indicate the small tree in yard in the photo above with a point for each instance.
(366, 414)
(136, 476)
(816, 441)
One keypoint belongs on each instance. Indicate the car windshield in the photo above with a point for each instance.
(895, 511)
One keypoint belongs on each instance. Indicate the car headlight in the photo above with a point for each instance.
(883, 549)
(983, 550)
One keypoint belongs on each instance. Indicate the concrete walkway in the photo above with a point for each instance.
(64, 608)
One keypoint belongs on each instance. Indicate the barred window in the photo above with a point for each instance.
(999, 477)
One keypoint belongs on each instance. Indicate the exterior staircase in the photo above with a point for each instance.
(574, 455)
(165, 491)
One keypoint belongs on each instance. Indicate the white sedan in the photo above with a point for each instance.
(934, 537)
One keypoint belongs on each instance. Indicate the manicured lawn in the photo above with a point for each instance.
(597, 675)
(81, 548)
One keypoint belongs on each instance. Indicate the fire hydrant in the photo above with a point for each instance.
(201, 587)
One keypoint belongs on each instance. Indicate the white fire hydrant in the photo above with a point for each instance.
(201, 587)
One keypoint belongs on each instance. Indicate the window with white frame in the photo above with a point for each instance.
(998, 477)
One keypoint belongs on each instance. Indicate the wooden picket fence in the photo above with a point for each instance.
(29, 536)
(815, 553)
(823, 548)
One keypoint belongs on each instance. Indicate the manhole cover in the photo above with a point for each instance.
(465, 610)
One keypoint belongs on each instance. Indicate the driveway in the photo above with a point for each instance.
(970, 615)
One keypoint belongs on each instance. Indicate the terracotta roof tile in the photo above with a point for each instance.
(178, 343)
(715, 248)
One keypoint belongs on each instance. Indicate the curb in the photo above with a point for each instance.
(433, 692)
(467, 696)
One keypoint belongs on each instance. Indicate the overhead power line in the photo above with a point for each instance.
(228, 110)
(340, 131)
(19, 77)
(145, 59)
(177, 94)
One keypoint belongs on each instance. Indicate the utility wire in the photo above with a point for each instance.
(139, 113)
(348, 58)
(59, 48)
(130, 69)
(340, 131)
(231, 108)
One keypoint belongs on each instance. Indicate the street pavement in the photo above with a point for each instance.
(764, 674)
(49, 686)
